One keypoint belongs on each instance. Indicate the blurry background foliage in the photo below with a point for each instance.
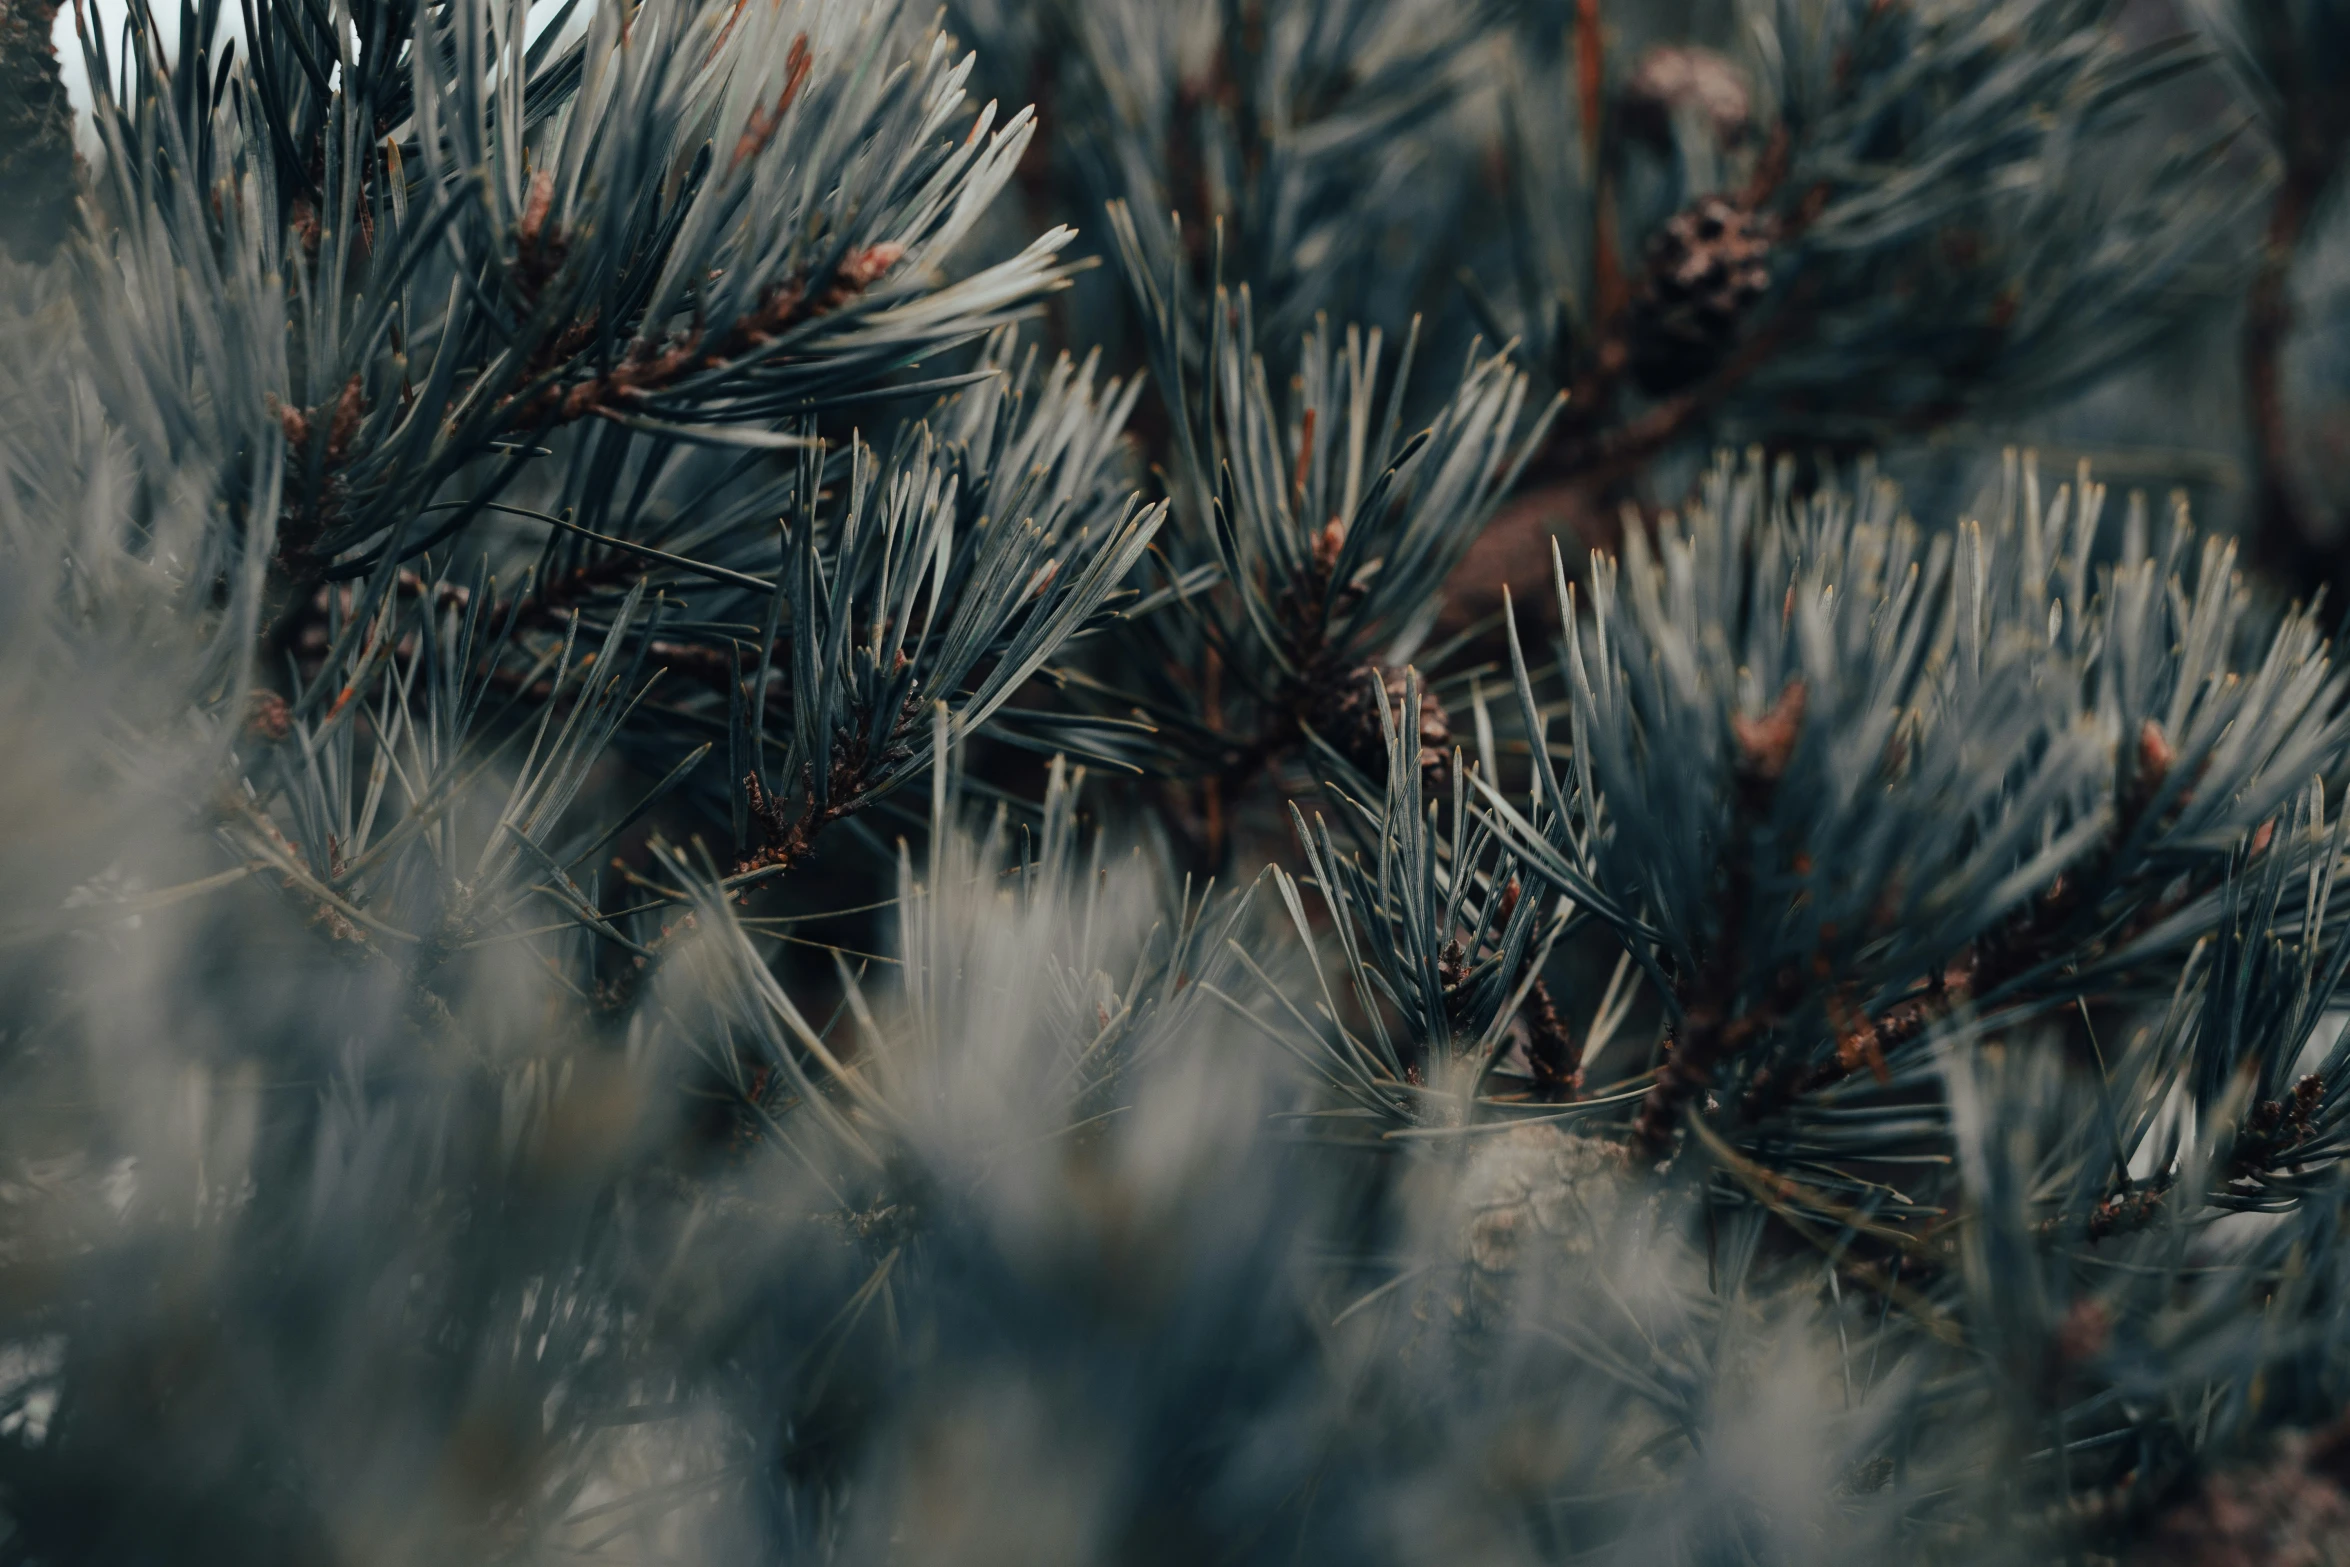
(1174, 781)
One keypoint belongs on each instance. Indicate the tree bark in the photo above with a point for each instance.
(38, 181)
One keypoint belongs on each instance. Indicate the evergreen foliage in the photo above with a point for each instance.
(674, 893)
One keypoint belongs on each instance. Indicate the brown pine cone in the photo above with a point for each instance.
(37, 179)
(1537, 1199)
(2286, 1510)
(1705, 267)
(1342, 711)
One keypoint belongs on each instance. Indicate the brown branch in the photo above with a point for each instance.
(1770, 172)
(1713, 1026)
(1581, 465)
(304, 514)
(649, 366)
(1610, 455)
(2269, 1137)
(784, 838)
(2000, 956)
(1551, 1051)
(1609, 295)
(303, 631)
(2122, 1212)
(548, 600)
(1553, 1059)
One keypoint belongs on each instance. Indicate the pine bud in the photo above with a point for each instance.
(1767, 744)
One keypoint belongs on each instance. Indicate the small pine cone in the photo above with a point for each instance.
(37, 176)
(1536, 1199)
(1342, 710)
(2286, 1510)
(1705, 267)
